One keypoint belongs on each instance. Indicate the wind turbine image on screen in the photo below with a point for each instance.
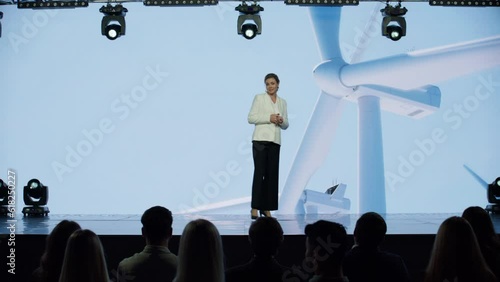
(401, 84)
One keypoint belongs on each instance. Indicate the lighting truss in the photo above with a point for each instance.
(322, 2)
(468, 3)
(57, 4)
(52, 4)
(180, 2)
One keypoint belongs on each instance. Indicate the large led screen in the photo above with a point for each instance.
(159, 115)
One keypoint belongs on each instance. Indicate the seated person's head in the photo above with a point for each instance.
(370, 230)
(326, 244)
(57, 239)
(455, 253)
(55, 248)
(481, 223)
(265, 235)
(84, 258)
(200, 253)
(455, 231)
(157, 225)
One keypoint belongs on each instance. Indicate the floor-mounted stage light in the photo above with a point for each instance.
(394, 23)
(249, 21)
(4, 197)
(35, 196)
(113, 22)
(1, 17)
(494, 196)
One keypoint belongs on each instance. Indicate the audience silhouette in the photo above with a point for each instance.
(456, 255)
(265, 235)
(365, 261)
(155, 263)
(200, 253)
(84, 259)
(326, 245)
(465, 248)
(53, 256)
(488, 240)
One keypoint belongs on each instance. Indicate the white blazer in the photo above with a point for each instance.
(260, 114)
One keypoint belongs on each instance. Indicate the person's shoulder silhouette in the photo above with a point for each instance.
(155, 262)
(265, 236)
(366, 261)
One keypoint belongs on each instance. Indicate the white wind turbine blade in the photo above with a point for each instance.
(312, 152)
(366, 36)
(478, 178)
(320, 131)
(431, 66)
(326, 21)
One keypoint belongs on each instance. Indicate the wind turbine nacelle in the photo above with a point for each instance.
(317, 202)
(327, 76)
(416, 103)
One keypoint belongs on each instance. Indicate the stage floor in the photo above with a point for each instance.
(227, 224)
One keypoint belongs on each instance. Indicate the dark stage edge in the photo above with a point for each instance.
(226, 224)
(409, 235)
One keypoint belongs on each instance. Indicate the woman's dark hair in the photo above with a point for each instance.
(55, 247)
(489, 243)
(272, 75)
(456, 255)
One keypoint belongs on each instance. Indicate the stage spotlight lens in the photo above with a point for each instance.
(249, 31)
(35, 190)
(34, 184)
(112, 34)
(394, 32)
(113, 31)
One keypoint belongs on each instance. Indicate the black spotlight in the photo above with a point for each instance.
(36, 196)
(394, 24)
(1, 17)
(494, 196)
(249, 22)
(113, 22)
(4, 198)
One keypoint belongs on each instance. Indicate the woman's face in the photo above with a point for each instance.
(271, 86)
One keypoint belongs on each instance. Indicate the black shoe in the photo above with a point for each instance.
(265, 213)
(252, 215)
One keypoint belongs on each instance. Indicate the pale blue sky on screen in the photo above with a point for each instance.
(187, 135)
